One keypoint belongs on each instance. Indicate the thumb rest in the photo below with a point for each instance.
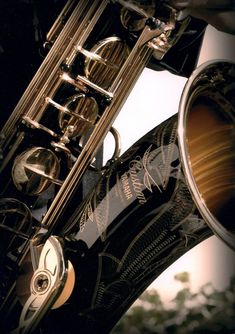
(62, 251)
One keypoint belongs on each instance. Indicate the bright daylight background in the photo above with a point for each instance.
(154, 98)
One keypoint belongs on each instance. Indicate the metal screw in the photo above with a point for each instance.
(41, 283)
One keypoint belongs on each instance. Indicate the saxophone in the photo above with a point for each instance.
(85, 256)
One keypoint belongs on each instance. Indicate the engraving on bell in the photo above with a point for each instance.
(34, 170)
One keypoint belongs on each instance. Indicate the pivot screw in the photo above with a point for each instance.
(41, 283)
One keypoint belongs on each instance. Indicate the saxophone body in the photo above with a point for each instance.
(84, 254)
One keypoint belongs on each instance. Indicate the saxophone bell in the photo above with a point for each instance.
(143, 198)
(207, 140)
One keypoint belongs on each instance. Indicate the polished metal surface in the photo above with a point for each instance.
(46, 285)
(207, 141)
(33, 170)
(51, 140)
(101, 73)
(75, 96)
(85, 111)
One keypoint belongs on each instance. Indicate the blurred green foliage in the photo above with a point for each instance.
(205, 312)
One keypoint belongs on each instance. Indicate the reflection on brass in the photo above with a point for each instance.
(135, 13)
(35, 125)
(25, 276)
(66, 81)
(211, 140)
(86, 109)
(34, 170)
(68, 287)
(113, 49)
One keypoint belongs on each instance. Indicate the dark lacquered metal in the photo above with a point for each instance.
(139, 218)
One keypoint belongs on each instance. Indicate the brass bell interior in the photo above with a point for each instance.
(49, 144)
(211, 148)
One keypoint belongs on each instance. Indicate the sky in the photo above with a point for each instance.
(155, 98)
